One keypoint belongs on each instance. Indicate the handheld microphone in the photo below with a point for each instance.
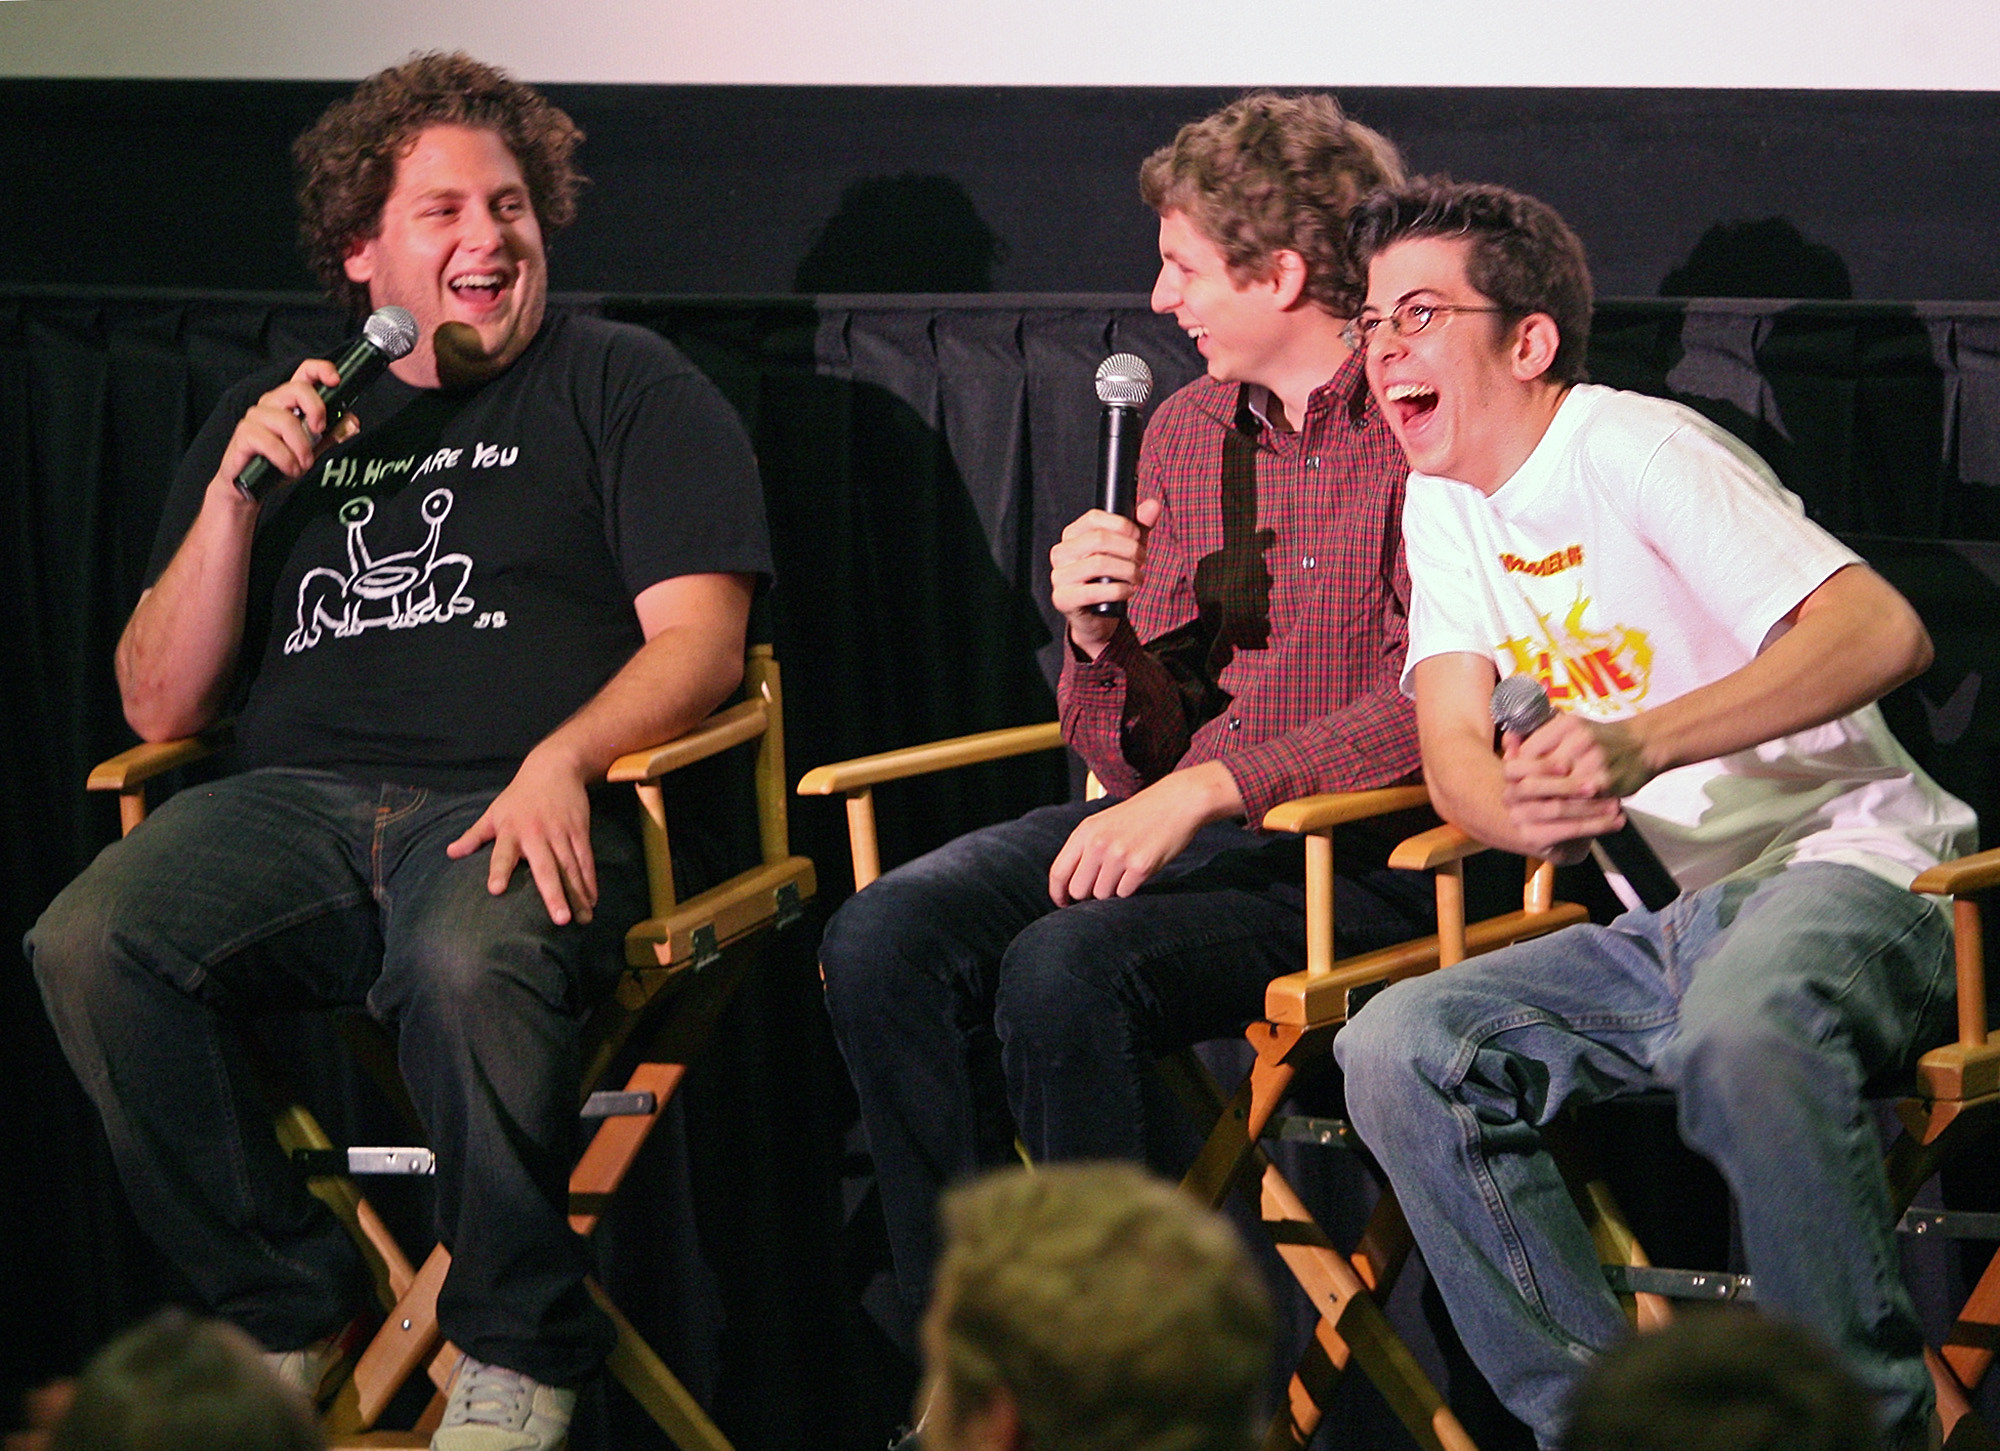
(389, 333)
(1124, 383)
(1520, 705)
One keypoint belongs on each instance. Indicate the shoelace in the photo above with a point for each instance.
(492, 1395)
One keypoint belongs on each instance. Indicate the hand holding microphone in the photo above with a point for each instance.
(1521, 706)
(1124, 383)
(390, 333)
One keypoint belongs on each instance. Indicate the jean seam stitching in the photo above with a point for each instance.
(305, 912)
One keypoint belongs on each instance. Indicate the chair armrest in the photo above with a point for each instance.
(856, 779)
(1969, 1068)
(726, 728)
(1316, 817)
(1429, 850)
(129, 770)
(1317, 1000)
(897, 765)
(1956, 878)
(1318, 813)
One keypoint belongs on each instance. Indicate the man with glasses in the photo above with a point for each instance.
(1714, 659)
(1024, 977)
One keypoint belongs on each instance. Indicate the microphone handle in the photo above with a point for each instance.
(1525, 711)
(1117, 477)
(1640, 866)
(359, 365)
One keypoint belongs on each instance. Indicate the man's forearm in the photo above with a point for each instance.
(1853, 640)
(1370, 742)
(670, 685)
(178, 652)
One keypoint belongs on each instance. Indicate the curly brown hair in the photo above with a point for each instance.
(347, 160)
(1270, 173)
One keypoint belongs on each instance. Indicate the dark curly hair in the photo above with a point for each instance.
(1269, 173)
(347, 160)
(1523, 255)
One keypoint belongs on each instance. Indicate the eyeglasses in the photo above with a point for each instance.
(1405, 320)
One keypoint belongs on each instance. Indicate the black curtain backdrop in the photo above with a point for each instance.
(920, 453)
(815, 189)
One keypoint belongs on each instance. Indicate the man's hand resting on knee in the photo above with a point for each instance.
(542, 818)
(1116, 851)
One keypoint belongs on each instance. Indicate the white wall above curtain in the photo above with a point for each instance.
(1815, 44)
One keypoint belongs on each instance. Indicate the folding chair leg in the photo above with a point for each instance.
(411, 1333)
(407, 1338)
(1349, 1314)
(387, 1265)
(655, 1387)
(1312, 1387)
(1968, 1350)
(1917, 1153)
(1340, 1288)
(1378, 1259)
(1232, 1124)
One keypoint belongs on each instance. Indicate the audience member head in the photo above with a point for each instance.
(176, 1383)
(1520, 254)
(347, 159)
(1270, 173)
(1094, 1308)
(1721, 1380)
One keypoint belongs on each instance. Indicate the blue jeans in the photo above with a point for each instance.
(1768, 1008)
(280, 888)
(969, 1007)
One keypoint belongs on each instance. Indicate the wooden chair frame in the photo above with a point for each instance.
(681, 956)
(1956, 1093)
(1958, 1088)
(1303, 1012)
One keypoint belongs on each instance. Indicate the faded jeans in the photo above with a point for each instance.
(1769, 1008)
(281, 888)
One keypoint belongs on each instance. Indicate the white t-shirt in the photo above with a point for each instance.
(1641, 552)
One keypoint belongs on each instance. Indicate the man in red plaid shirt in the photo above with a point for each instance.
(1040, 966)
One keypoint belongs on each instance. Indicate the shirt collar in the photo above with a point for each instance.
(1347, 387)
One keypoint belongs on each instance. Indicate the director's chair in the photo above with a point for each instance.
(1303, 1012)
(1954, 1100)
(682, 965)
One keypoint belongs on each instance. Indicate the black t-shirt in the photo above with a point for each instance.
(442, 591)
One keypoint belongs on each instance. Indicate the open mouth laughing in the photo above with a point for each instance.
(1409, 403)
(481, 289)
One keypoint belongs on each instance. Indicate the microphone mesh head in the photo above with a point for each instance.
(1520, 705)
(1125, 380)
(392, 331)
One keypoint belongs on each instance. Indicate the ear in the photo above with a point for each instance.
(995, 1426)
(359, 264)
(1536, 341)
(1287, 278)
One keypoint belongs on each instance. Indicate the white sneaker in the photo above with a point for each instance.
(491, 1408)
(315, 1371)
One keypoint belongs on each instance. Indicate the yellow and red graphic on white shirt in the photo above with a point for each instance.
(1603, 673)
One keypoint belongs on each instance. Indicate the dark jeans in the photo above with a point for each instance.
(302, 888)
(959, 991)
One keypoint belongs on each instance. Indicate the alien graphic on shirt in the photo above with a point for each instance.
(400, 591)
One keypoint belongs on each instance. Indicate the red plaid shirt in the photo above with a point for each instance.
(1274, 609)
